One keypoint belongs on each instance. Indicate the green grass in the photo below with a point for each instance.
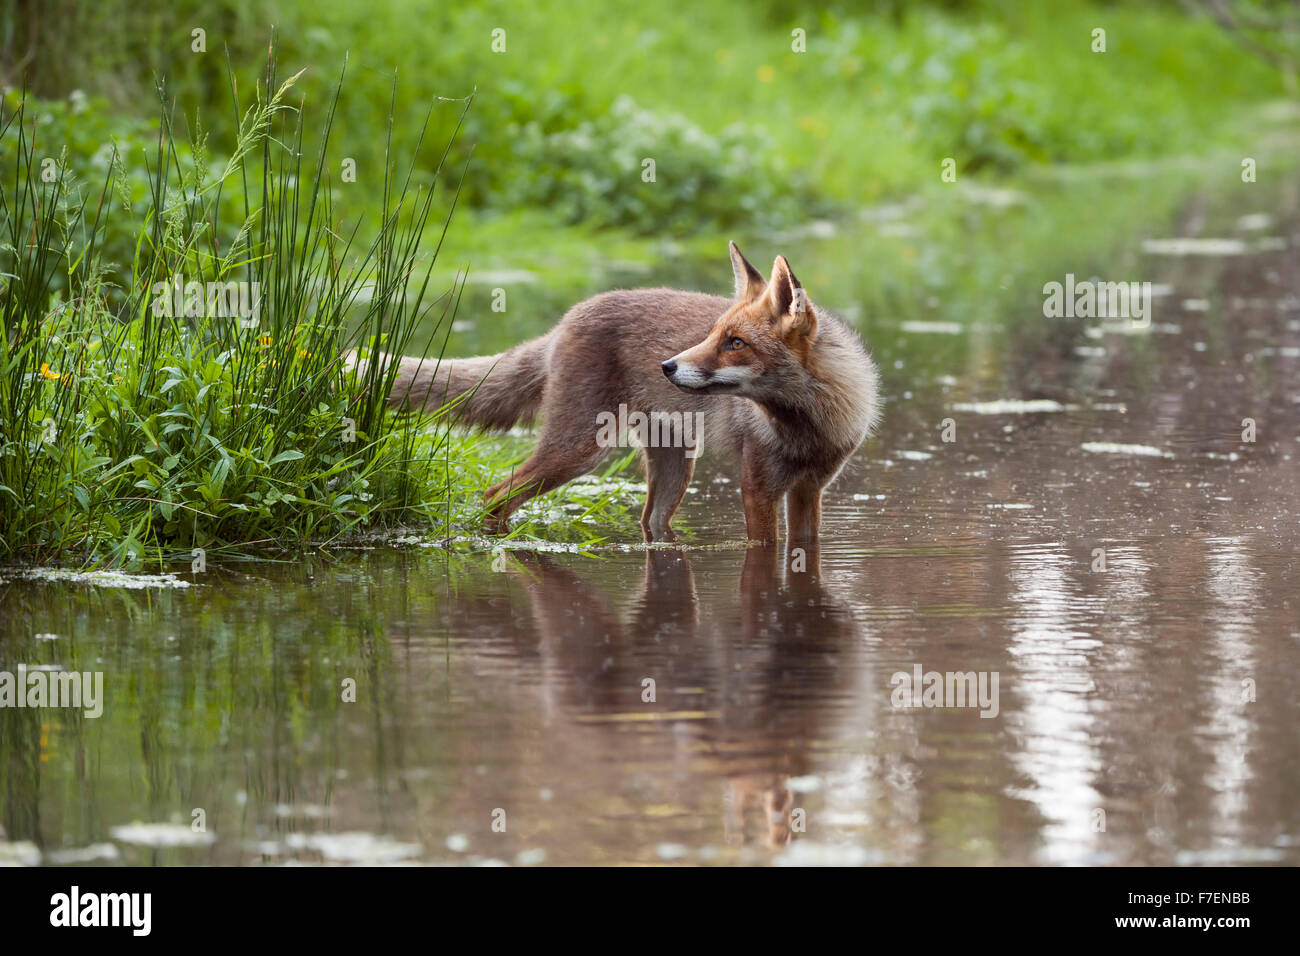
(131, 434)
(745, 132)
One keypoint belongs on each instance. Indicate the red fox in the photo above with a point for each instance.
(779, 383)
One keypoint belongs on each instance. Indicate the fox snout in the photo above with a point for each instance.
(686, 375)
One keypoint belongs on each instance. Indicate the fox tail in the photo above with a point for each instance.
(494, 392)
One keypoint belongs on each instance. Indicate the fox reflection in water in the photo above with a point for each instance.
(741, 686)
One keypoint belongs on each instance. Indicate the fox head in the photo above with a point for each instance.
(760, 346)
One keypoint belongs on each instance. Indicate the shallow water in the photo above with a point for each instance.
(1146, 713)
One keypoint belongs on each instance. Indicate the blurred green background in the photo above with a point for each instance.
(746, 133)
(832, 155)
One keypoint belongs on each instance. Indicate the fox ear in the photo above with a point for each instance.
(788, 301)
(749, 281)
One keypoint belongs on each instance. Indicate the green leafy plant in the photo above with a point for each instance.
(142, 418)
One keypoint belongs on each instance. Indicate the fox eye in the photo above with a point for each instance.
(734, 344)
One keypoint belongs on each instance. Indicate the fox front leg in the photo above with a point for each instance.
(759, 498)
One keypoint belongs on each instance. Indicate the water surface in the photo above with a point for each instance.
(1146, 712)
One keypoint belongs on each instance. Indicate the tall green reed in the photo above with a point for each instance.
(152, 416)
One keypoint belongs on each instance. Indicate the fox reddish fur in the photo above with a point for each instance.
(781, 383)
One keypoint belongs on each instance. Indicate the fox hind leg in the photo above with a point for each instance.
(550, 466)
(803, 512)
(668, 474)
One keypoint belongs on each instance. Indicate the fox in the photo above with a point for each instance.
(775, 381)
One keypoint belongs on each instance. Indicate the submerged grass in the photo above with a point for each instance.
(201, 406)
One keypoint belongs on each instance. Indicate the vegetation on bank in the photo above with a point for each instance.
(163, 416)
